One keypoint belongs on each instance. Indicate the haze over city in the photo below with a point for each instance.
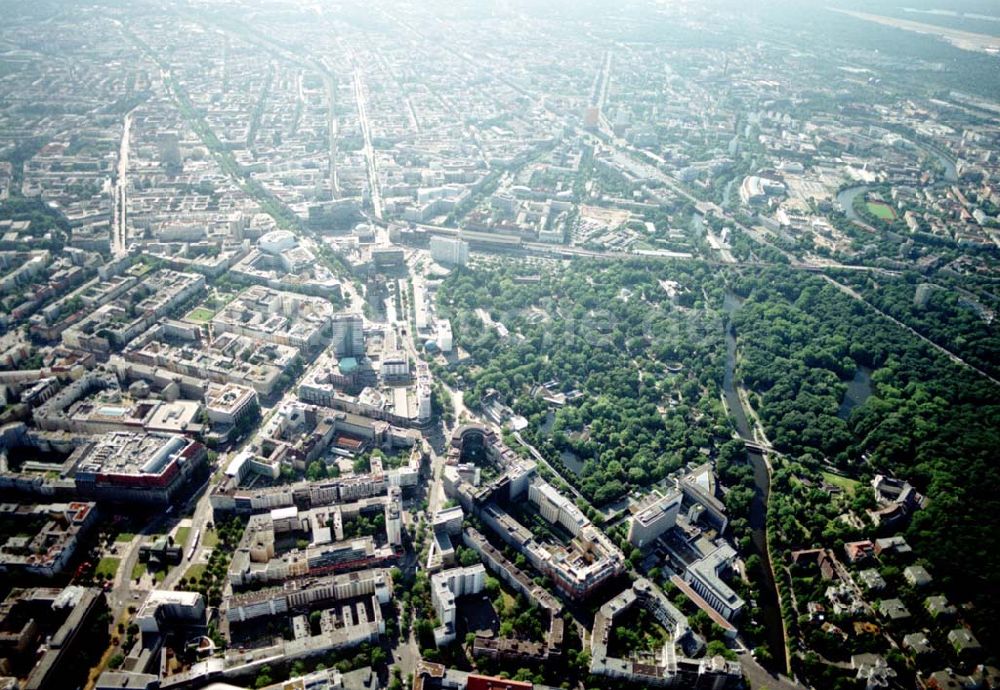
(499, 344)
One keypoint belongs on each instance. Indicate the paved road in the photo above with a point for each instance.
(435, 495)
(542, 461)
(119, 231)
(120, 596)
(199, 525)
(359, 95)
(331, 117)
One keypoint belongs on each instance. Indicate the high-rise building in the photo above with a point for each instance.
(348, 334)
(444, 336)
(424, 405)
(394, 516)
(450, 250)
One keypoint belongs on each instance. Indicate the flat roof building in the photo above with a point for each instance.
(47, 552)
(705, 576)
(445, 588)
(649, 523)
(449, 250)
(285, 318)
(164, 608)
(230, 403)
(299, 594)
(126, 466)
(82, 605)
(665, 667)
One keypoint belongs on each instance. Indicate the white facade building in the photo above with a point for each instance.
(648, 524)
(424, 409)
(163, 607)
(556, 508)
(394, 516)
(448, 586)
(450, 250)
(705, 577)
(444, 338)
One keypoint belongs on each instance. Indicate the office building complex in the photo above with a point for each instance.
(348, 334)
(578, 567)
(705, 577)
(667, 667)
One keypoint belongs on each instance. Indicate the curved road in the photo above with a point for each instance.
(542, 461)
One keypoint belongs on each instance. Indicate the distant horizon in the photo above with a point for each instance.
(465, 344)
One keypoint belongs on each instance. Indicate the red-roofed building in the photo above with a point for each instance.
(858, 551)
(477, 682)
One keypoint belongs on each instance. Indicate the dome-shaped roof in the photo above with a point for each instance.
(277, 241)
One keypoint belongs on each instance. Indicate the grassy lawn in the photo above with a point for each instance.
(880, 210)
(209, 538)
(107, 567)
(509, 602)
(140, 569)
(848, 485)
(125, 537)
(141, 269)
(181, 536)
(200, 315)
(195, 572)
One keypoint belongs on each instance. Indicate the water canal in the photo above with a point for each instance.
(767, 595)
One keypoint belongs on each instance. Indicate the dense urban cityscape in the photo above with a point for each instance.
(499, 345)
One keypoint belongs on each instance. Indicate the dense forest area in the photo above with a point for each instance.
(640, 360)
(928, 420)
(956, 319)
(933, 63)
(638, 347)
